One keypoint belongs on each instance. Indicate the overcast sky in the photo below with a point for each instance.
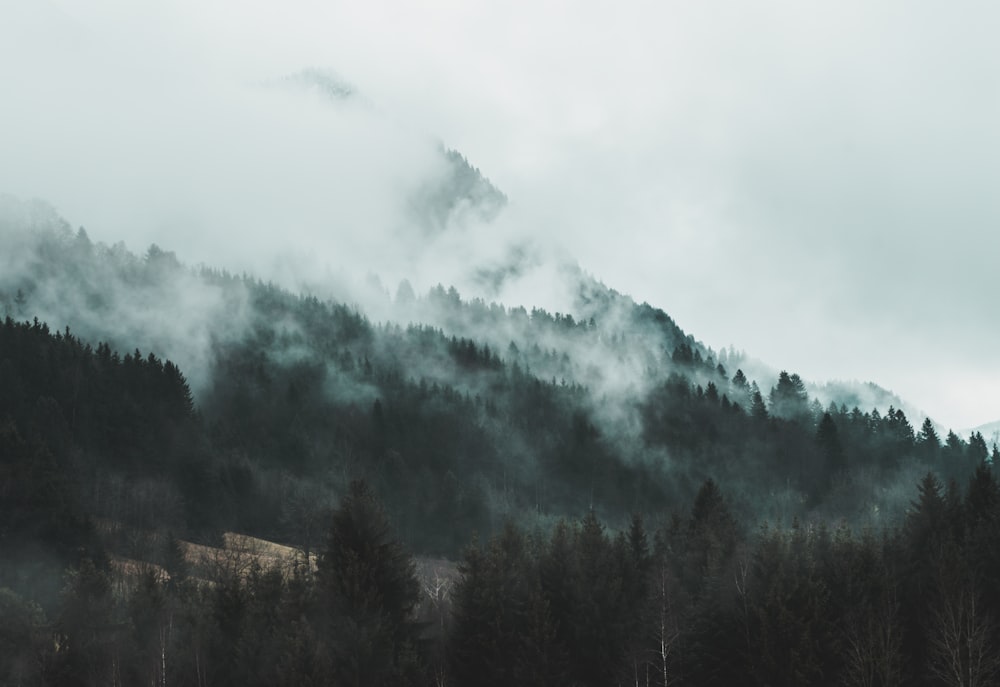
(813, 182)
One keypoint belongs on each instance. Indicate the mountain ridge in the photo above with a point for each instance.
(556, 446)
(623, 387)
(459, 194)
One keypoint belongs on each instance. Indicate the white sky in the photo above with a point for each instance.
(810, 181)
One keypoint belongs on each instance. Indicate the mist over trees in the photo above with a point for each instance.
(149, 411)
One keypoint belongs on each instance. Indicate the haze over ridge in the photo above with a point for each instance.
(811, 186)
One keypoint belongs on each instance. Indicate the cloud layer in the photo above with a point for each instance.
(809, 182)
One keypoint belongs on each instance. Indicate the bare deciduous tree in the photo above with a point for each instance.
(667, 626)
(873, 639)
(962, 653)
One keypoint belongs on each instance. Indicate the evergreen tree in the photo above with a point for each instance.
(740, 380)
(928, 436)
(87, 635)
(977, 451)
(368, 589)
(788, 399)
(928, 443)
(711, 538)
(23, 646)
(504, 632)
(828, 441)
(758, 409)
(957, 461)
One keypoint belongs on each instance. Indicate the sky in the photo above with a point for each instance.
(812, 182)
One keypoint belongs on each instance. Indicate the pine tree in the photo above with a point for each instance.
(928, 436)
(758, 409)
(368, 589)
(85, 631)
(829, 443)
(788, 399)
(504, 632)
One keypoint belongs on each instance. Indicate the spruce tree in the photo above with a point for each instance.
(367, 585)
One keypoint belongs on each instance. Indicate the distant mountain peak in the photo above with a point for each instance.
(462, 192)
(322, 82)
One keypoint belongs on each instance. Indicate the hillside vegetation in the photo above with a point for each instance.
(626, 504)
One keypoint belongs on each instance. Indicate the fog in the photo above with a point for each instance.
(808, 183)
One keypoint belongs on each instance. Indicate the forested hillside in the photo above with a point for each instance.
(628, 504)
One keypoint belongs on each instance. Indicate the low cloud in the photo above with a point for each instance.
(811, 184)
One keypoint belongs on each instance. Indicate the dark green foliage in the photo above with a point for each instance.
(792, 641)
(105, 451)
(91, 409)
(828, 440)
(503, 632)
(707, 605)
(42, 526)
(928, 436)
(87, 633)
(788, 399)
(148, 618)
(367, 592)
(758, 410)
(568, 611)
(296, 393)
(24, 650)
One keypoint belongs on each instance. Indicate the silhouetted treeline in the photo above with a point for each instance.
(694, 598)
(352, 621)
(459, 438)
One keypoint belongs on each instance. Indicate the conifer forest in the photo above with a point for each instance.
(212, 480)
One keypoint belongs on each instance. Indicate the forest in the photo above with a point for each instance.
(463, 493)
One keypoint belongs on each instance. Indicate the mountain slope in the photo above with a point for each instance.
(459, 194)
(470, 414)
(471, 419)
